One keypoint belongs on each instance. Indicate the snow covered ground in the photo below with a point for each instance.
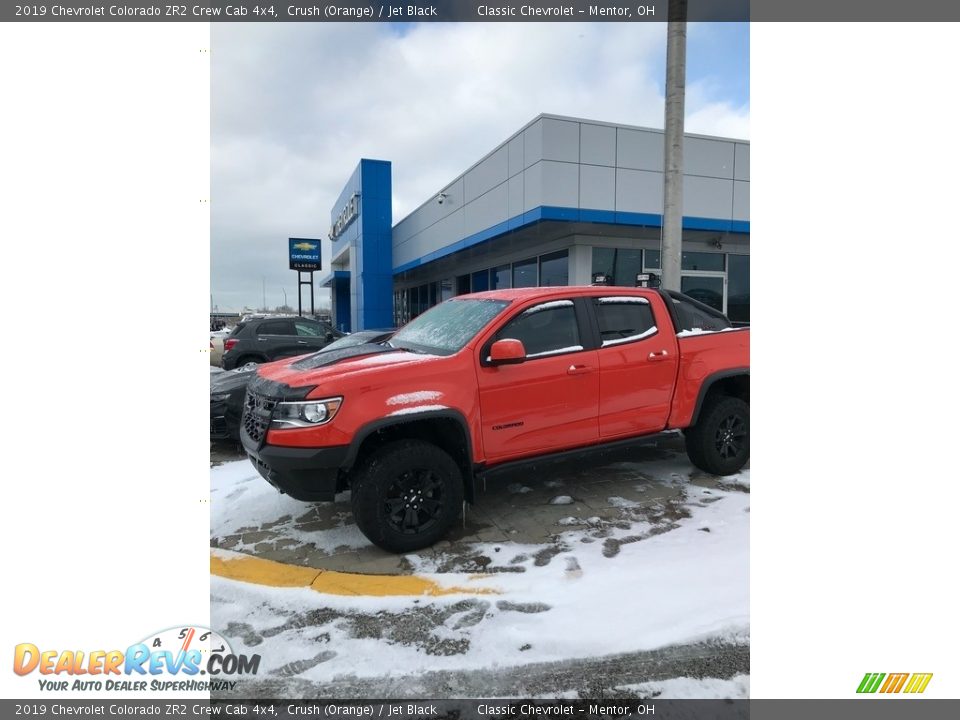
(675, 576)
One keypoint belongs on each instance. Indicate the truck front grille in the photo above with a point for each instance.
(257, 412)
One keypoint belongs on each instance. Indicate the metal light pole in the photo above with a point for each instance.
(672, 235)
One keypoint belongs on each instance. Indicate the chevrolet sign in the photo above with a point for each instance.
(349, 213)
(304, 254)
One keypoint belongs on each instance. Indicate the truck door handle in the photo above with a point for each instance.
(301, 342)
(578, 370)
(654, 357)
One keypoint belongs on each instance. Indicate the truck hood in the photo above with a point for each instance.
(338, 366)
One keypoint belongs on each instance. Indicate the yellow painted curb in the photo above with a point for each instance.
(246, 568)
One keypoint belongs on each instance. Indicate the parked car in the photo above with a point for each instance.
(497, 380)
(261, 340)
(228, 388)
(216, 348)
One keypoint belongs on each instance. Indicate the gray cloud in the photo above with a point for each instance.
(295, 106)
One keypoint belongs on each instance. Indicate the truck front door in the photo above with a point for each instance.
(549, 401)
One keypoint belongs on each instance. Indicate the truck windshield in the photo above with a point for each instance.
(445, 328)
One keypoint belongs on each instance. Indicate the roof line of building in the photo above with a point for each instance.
(565, 118)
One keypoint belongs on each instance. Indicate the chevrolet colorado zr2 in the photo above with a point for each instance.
(489, 381)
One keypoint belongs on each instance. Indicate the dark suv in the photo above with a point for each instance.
(262, 340)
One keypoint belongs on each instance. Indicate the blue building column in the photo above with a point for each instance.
(361, 225)
(340, 297)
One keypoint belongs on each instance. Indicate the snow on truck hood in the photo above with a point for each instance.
(315, 369)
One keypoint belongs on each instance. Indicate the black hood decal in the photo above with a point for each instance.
(273, 389)
(331, 357)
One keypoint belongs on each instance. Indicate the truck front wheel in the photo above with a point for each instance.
(720, 441)
(406, 495)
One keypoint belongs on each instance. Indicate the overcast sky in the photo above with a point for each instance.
(296, 105)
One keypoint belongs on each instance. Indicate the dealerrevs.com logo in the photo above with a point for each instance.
(911, 683)
(190, 658)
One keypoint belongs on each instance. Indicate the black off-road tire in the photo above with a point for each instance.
(406, 495)
(720, 441)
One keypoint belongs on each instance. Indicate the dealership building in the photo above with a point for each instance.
(559, 201)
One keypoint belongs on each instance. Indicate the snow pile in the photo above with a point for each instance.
(701, 331)
(631, 338)
(414, 397)
(624, 299)
(742, 479)
(547, 306)
(678, 586)
(685, 688)
(241, 501)
(418, 409)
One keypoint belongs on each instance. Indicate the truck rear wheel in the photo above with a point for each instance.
(406, 495)
(720, 441)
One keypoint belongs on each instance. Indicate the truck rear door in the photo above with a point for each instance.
(638, 361)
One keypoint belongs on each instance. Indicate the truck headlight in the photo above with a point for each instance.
(305, 413)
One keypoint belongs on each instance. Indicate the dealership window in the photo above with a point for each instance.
(463, 284)
(554, 269)
(545, 329)
(651, 259)
(692, 317)
(702, 261)
(604, 260)
(706, 289)
(446, 289)
(738, 288)
(629, 263)
(481, 281)
(401, 311)
(500, 277)
(525, 273)
(624, 320)
(622, 264)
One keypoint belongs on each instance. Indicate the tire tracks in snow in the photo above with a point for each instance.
(593, 678)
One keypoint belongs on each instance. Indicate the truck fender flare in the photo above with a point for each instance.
(709, 382)
(383, 423)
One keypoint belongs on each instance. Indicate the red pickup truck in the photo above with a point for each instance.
(491, 380)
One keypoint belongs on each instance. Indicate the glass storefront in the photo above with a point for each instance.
(546, 270)
(702, 261)
(720, 280)
(525, 273)
(708, 290)
(554, 270)
(738, 288)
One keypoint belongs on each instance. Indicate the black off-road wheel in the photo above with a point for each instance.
(720, 441)
(406, 495)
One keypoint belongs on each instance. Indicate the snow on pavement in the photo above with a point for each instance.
(674, 586)
(684, 688)
(241, 500)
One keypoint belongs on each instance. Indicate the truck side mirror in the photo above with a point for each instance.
(507, 352)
